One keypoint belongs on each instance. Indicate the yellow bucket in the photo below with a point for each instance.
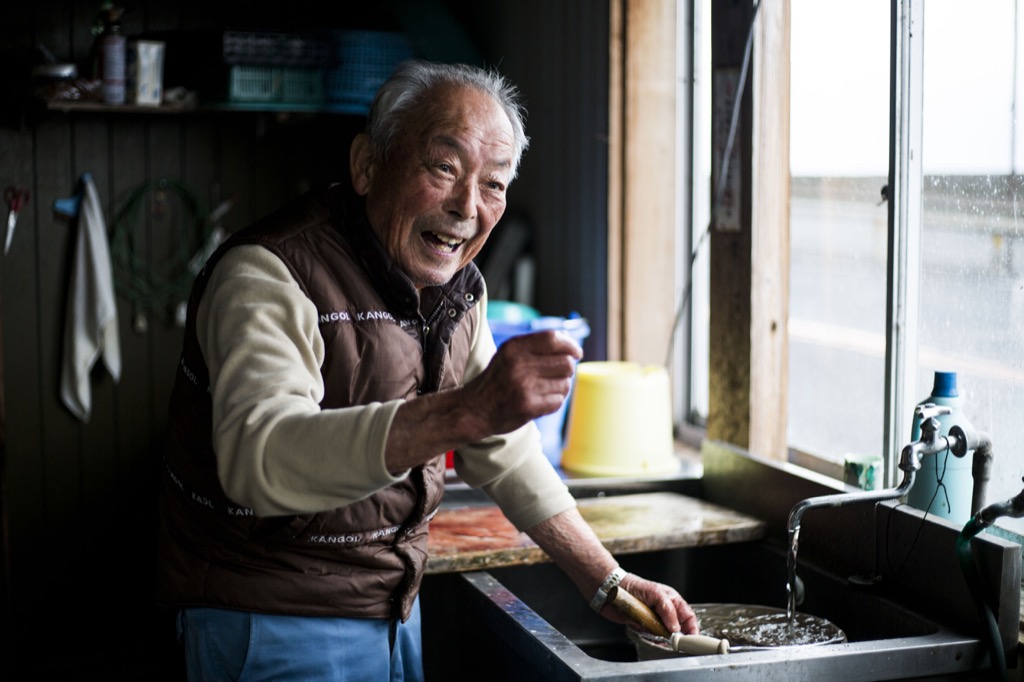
(620, 421)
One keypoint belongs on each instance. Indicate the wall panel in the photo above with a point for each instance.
(557, 54)
(81, 496)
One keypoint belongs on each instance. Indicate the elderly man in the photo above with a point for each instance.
(333, 351)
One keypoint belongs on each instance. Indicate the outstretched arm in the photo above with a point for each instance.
(528, 377)
(572, 544)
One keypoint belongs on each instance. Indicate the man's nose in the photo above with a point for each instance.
(463, 200)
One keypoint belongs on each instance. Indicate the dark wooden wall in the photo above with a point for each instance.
(80, 497)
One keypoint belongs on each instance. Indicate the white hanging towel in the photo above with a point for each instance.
(90, 324)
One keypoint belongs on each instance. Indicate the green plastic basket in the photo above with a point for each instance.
(270, 84)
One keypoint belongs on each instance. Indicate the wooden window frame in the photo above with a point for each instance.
(750, 267)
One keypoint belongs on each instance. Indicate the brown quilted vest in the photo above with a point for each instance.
(382, 342)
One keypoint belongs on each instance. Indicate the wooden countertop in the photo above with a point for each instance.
(480, 537)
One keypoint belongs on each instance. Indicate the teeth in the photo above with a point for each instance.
(450, 241)
(448, 244)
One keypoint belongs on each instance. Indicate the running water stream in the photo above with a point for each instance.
(794, 542)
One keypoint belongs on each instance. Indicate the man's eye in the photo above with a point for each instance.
(445, 167)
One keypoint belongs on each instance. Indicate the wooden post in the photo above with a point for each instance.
(749, 239)
(769, 285)
(643, 244)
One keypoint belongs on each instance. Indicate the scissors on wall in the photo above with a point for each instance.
(16, 198)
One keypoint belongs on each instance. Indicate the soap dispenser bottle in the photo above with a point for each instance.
(953, 503)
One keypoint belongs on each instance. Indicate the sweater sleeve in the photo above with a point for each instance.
(277, 450)
(511, 468)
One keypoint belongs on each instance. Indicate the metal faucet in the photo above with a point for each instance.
(958, 441)
(983, 518)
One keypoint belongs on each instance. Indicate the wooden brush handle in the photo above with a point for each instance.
(637, 611)
(641, 614)
(698, 645)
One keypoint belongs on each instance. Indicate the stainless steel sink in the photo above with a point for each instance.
(529, 622)
(918, 622)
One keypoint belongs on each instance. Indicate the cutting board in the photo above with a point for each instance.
(480, 537)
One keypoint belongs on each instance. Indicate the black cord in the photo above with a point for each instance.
(917, 535)
(940, 480)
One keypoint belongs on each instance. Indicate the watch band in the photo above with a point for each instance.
(601, 597)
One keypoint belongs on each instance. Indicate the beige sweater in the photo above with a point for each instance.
(280, 453)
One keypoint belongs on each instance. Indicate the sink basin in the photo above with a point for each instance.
(529, 622)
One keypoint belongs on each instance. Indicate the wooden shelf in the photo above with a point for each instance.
(258, 107)
(100, 108)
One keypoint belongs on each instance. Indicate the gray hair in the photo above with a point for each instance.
(413, 80)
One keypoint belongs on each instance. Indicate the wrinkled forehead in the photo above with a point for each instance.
(456, 112)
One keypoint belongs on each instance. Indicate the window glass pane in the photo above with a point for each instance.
(972, 261)
(701, 202)
(839, 151)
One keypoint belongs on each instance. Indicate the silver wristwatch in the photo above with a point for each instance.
(601, 598)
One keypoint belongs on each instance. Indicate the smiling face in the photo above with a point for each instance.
(435, 200)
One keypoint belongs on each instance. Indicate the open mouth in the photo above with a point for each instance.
(442, 242)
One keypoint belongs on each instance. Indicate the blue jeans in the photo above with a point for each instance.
(222, 645)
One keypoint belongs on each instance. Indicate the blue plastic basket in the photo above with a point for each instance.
(363, 61)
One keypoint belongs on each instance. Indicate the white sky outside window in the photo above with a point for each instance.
(839, 156)
(972, 259)
(972, 275)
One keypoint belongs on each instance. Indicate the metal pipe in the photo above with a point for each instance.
(981, 472)
(1013, 507)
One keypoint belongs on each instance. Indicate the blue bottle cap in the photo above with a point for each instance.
(945, 385)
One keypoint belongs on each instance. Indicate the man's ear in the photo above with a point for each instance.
(360, 163)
